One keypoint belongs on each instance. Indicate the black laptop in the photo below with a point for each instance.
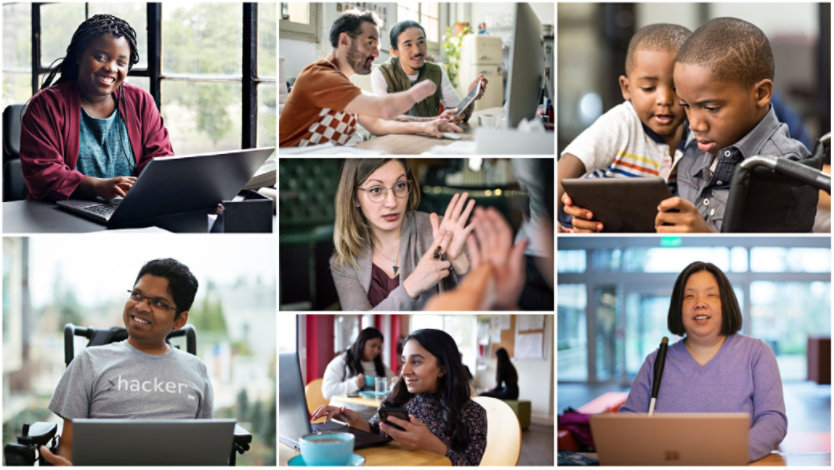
(176, 185)
(152, 442)
(293, 417)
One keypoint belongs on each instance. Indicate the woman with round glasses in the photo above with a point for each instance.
(388, 256)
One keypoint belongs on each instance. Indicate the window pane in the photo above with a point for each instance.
(143, 82)
(17, 53)
(58, 22)
(202, 38)
(785, 314)
(572, 332)
(430, 20)
(267, 50)
(136, 15)
(266, 116)
(571, 261)
(295, 12)
(201, 116)
(776, 259)
(672, 260)
(645, 326)
(609, 344)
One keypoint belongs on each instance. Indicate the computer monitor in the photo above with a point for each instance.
(524, 82)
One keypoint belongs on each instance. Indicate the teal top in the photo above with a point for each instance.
(105, 150)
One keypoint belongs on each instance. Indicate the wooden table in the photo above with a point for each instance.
(339, 400)
(388, 455)
(793, 459)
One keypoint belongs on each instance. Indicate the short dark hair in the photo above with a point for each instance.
(733, 49)
(87, 32)
(656, 37)
(182, 285)
(351, 22)
(730, 312)
(399, 28)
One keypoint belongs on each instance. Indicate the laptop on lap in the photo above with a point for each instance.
(671, 438)
(175, 185)
(152, 442)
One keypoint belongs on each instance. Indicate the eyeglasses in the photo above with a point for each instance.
(379, 193)
(372, 42)
(154, 302)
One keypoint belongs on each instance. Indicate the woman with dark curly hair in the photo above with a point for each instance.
(433, 388)
(89, 134)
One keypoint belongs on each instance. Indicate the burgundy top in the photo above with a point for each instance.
(49, 137)
(381, 285)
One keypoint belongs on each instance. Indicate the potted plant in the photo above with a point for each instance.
(452, 41)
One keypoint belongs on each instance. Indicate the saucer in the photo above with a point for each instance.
(355, 460)
(372, 395)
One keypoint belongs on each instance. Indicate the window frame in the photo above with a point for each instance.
(249, 78)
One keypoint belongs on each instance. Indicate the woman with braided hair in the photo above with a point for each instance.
(89, 134)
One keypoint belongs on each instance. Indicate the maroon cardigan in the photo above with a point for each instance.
(50, 132)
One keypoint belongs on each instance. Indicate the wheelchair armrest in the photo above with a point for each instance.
(242, 435)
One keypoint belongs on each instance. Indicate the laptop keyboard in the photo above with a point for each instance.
(104, 210)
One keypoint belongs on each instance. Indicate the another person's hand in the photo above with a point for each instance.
(109, 188)
(676, 215)
(494, 245)
(421, 91)
(53, 458)
(340, 413)
(429, 270)
(360, 380)
(483, 87)
(582, 218)
(414, 436)
(436, 127)
(454, 223)
(451, 115)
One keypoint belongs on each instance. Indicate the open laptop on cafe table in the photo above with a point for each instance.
(170, 189)
(294, 419)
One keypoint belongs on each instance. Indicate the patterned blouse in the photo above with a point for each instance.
(426, 408)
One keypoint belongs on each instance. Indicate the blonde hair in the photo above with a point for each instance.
(351, 233)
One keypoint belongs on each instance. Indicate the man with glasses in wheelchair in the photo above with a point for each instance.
(142, 377)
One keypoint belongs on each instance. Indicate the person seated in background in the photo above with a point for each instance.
(644, 135)
(433, 388)
(713, 369)
(409, 65)
(324, 106)
(142, 377)
(506, 378)
(345, 374)
(389, 256)
(91, 133)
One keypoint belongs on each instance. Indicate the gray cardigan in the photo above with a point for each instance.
(353, 283)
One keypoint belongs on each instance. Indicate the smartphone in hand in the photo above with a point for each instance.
(400, 413)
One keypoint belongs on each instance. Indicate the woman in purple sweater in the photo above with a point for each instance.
(714, 369)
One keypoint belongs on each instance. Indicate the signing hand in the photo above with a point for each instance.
(676, 214)
(414, 436)
(582, 218)
(346, 415)
(429, 270)
(494, 245)
(454, 222)
(52, 458)
(421, 91)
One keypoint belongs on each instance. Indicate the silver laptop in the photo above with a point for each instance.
(671, 438)
(176, 185)
(152, 442)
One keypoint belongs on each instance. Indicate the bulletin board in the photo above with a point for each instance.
(522, 336)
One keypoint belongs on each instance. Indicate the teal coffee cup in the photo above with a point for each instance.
(369, 382)
(326, 448)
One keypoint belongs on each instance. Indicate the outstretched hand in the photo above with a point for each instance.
(454, 223)
(492, 243)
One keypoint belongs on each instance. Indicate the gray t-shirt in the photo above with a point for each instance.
(119, 381)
